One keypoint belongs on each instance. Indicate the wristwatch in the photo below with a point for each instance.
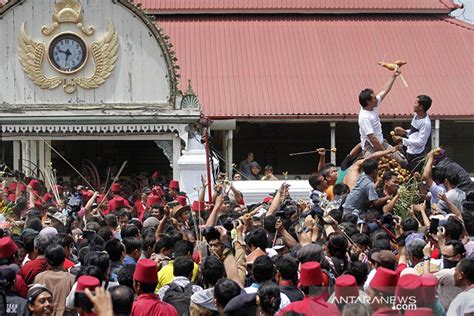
(426, 258)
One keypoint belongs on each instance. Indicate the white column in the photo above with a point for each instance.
(41, 163)
(25, 157)
(227, 150)
(435, 135)
(176, 155)
(47, 153)
(333, 141)
(34, 157)
(16, 154)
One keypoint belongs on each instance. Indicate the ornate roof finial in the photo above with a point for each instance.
(67, 11)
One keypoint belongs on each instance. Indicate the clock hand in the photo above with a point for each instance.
(61, 51)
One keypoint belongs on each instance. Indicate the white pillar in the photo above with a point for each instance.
(47, 153)
(435, 135)
(41, 163)
(25, 157)
(16, 154)
(176, 155)
(228, 151)
(333, 141)
(34, 157)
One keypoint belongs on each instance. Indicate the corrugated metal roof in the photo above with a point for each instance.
(336, 5)
(260, 66)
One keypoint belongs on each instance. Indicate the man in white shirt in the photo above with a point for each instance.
(417, 136)
(370, 128)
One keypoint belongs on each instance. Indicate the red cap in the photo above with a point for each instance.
(11, 197)
(7, 247)
(22, 187)
(12, 187)
(198, 206)
(119, 202)
(311, 274)
(155, 174)
(422, 311)
(87, 282)
(181, 200)
(116, 187)
(47, 197)
(86, 195)
(145, 271)
(174, 184)
(34, 184)
(384, 280)
(100, 198)
(153, 200)
(268, 199)
(346, 286)
(429, 284)
(409, 285)
(38, 204)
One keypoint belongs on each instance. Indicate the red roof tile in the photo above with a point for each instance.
(164, 6)
(316, 66)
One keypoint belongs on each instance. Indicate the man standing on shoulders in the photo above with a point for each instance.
(417, 136)
(370, 128)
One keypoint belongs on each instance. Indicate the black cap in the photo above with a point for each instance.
(242, 303)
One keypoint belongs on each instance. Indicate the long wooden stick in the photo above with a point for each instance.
(65, 160)
(311, 152)
(110, 188)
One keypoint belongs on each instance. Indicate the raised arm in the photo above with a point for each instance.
(427, 177)
(389, 84)
(211, 221)
(322, 158)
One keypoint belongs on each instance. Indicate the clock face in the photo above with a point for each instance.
(67, 53)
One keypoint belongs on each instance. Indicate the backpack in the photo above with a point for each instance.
(179, 297)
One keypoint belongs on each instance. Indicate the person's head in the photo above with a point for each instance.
(464, 272)
(111, 220)
(257, 238)
(439, 175)
(452, 180)
(341, 189)
(337, 246)
(269, 224)
(390, 182)
(369, 166)
(422, 104)
(41, 243)
(123, 218)
(286, 269)
(255, 167)
(452, 253)
(66, 241)
(330, 173)
(359, 270)
(122, 300)
(34, 223)
(237, 177)
(262, 269)
(224, 291)
(268, 170)
(130, 231)
(55, 255)
(183, 266)
(212, 270)
(410, 224)
(362, 241)
(453, 229)
(133, 247)
(367, 99)
(40, 300)
(164, 246)
(249, 157)
(318, 182)
(115, 249)
(268, 298)
(145, 278)
(414, 250)
(125, 276)
(183, 248)
(147, 245)
(101, 260)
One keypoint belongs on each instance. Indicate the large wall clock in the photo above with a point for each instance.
(67, 53)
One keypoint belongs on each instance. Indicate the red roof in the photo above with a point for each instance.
(260, 66)
(214, 6)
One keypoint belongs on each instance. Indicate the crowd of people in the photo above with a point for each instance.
(66, 249)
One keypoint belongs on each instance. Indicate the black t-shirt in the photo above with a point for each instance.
(452, 167)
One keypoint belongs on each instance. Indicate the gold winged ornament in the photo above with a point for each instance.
(104, 52)
(31, 55)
